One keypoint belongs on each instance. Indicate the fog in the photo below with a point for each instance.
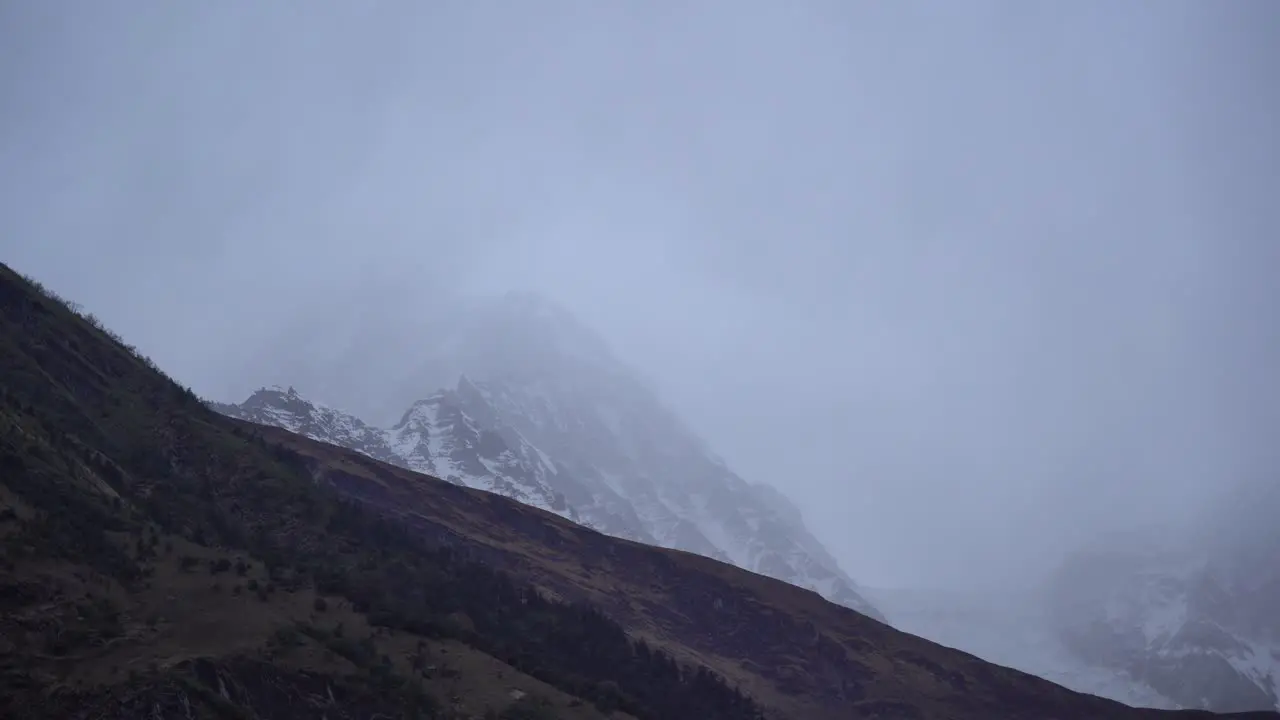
(973, 282)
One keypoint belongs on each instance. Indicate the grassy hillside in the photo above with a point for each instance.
(159, 560)
(156, 555)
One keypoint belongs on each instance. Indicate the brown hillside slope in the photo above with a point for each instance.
(788, 647)
(157, 563)
(159, 560)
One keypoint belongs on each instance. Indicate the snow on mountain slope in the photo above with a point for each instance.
(542, 373)
(1175, 618)
(434, 437)
(1008, 629)
(1157, 615)
(540, 410)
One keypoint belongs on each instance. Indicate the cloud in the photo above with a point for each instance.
(973, 284)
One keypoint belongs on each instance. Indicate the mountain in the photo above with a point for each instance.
(1198, 620)
(1010, 628)
(435, 436)
(160, 560)
(537, 407)
(1179, 617)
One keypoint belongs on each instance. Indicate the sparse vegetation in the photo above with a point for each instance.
(529, 707)
(82, 411)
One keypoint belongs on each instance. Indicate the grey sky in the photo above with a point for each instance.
(970, 281)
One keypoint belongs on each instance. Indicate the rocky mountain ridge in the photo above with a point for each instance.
(434, 437)
(458, 436)
(536, 406)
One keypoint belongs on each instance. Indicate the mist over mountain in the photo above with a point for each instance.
(512, 393)
(1010, 628)
(1192, 611)
(1173, 615)
(955, 301)
(516, 396)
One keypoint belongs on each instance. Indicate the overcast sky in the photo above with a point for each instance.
(971, 281)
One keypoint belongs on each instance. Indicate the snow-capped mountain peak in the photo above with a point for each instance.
(537, 408)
